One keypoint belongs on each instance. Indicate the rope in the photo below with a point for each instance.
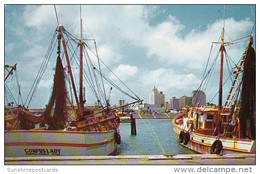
(210, 73)
(92, 68)
(120, 80)
(206, 76)
(222, 86)
(10, 94)
(109, 81)
(40, 72)
(228, 35)
(254, 18)
(102, 93)
(97, 86)
(70, 87)
(239, 40)
(92, 77)
(116, 86)
(88, 29)
(203, 85)
(100, 71)
(9, 91)
(228, 68)
(75, 58)
(19, 87)
(208, 60)
(158, 142)
(115, 75)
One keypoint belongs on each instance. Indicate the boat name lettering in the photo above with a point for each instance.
(42, 151)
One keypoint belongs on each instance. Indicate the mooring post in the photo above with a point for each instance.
(133, 125)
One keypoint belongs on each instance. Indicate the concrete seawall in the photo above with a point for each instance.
(234, 159)
(126, 119)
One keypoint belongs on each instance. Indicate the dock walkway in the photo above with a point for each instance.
(235, 159)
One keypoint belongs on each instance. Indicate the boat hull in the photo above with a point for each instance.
(201, 143)
(28, 143)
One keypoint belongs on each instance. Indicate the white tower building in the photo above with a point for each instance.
(157, 98)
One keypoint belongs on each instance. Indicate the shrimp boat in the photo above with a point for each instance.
(64, 128)
(224, 129)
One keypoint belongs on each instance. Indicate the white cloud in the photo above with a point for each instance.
(46, 83)
(34, 52)
(165, 43)
(39, 17)
(151, 11)
(107, 55)
(171, 82)
(9, 48)
(126, 72)
(162, 41)
(178, 61)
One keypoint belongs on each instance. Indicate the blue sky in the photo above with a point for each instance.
(166, 46)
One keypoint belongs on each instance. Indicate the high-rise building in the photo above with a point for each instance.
(166, 106)
(184, 101)
(121, 102)
(198, 97)
(175, 103)
(157, 98)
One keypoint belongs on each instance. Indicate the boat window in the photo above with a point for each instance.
(210, 117)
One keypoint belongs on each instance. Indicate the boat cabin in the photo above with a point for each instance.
(201, 120)
(204, 120)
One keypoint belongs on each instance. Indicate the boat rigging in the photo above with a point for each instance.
(95, 129)
(228, 128)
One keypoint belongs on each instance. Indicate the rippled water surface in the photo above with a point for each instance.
(154, 137)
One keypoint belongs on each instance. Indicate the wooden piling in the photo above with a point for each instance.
(133, 125)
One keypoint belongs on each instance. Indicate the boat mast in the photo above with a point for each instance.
(81, 100)
(60, 30)
(222, 49)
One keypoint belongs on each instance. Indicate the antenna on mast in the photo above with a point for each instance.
(224, 16)
(80, 11)
(222, 50)
(80, 23)
(56, 15)
(223, 29)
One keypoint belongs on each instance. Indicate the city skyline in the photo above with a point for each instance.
(145, 45)
(157, 99)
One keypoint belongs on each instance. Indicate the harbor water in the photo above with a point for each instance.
(154, 137)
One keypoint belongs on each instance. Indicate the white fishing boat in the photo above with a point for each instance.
(228, 128)
(64, 128)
